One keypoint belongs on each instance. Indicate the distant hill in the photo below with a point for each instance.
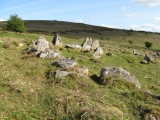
(67, 28)
(72, 29)
(80, 30)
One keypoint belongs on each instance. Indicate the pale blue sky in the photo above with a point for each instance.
(123, 14)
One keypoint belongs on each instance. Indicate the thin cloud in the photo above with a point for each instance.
(156, 19)
(123, 8)
(1, 19)
(79, 21)
(146, 27)
(150, 3)
(109, 26)
(131, 15)
(21, 6)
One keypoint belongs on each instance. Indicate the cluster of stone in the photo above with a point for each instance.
(69, 66)
(41, 49)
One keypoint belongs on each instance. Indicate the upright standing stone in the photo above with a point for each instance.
(87, 44)
(57, 41)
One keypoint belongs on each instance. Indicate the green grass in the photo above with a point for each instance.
(28, 89)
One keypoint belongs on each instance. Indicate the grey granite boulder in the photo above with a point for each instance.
(108, 72)
(65, 63)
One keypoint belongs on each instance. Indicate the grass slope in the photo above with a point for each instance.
(28, 89)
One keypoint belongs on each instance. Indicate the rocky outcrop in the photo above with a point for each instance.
(69, 66)
(41, 49)
(57, 41)
(108, 72)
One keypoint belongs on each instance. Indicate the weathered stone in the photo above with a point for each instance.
(107, 72)
(95, 44)
(59, 73)
(98, 52)
(71, 67)
(148, 58)
(49, 53)
(65, 63)
(135, 52)
(41, 44)
(73, 46)
(57, 41)
(87, 44)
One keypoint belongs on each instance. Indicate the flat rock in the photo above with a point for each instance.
(73, 46)
(70, 66)
(65, 63)
(60, 73)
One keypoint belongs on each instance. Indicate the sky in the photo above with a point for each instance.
(143, 15)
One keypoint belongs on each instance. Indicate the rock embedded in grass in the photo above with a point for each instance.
(68, 67)
(76, 46)
(114, 72)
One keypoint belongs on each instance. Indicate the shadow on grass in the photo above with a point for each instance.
(96, 79)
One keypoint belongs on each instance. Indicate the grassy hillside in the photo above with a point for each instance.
(28, 89)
